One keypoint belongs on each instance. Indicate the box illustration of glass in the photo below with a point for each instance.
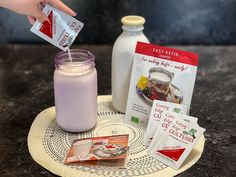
(158, 86)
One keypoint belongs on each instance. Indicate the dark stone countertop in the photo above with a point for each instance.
(26, 88)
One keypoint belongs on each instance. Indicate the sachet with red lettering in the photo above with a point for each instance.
(165, 121)
(175, 144)
(158, 108)
(62, 29)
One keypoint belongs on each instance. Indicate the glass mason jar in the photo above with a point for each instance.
(75, 89)
(122, 59)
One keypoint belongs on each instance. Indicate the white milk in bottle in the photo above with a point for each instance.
(122, 59)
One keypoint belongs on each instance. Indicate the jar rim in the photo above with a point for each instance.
(78, 57)
(81, 62)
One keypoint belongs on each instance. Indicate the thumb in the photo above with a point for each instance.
(41, 16)
(31, 20)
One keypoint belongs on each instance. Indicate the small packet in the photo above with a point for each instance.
(166, 120)
(159, 73)
(156, 113)
(98, 150)
(62, 29)
(175, 144)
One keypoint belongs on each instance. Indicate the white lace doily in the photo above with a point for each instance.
(48, 145)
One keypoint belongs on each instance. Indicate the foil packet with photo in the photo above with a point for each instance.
(99, 151)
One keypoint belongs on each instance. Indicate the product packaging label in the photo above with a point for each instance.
(175, 144)
(98, 150)
(167, 118)
(158, 108)
(62, 29)
(159, 73)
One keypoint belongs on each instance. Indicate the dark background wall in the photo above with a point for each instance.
(168, 21)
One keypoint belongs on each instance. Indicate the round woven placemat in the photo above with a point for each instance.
(48, 146)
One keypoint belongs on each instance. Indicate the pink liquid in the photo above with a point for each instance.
(76, 100)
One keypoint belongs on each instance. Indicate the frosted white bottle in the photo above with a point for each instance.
(122, 59)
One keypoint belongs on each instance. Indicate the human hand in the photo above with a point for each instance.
(33, 8)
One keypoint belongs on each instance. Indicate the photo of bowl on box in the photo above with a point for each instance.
(158, 86)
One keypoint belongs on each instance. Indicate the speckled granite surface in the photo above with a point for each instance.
(26, 88)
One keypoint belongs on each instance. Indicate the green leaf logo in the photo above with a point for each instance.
(135, 119)
(192, 133)
(177, 110)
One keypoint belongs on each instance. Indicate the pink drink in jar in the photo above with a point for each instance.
(75, 88)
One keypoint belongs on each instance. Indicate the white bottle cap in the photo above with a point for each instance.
(132, 20)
